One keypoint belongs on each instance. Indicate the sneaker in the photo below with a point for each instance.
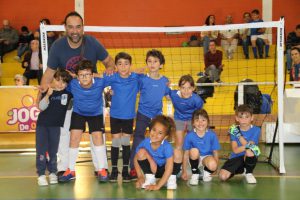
(60, 173)
(171, 184)
(67, 176)
(149, 180)
(53, 178)
(194, 179)
(126, 177)
(114, 176)
(133, 175)
(42, 181)
(219, 81)
(206, 176)
(250, 178)
(103, 176)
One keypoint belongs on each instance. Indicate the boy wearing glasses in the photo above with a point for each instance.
(87, 103)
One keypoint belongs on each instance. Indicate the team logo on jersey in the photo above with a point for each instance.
(72, 63)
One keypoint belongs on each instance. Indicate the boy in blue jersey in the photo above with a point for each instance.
(87, 104)
(244, 140)
(155, 157)
(185, 102)
(153, 87)
(125, 86)
(201, 149)
(53, 106)
(258, 33)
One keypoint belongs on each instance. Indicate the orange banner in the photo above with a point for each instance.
(18, 110)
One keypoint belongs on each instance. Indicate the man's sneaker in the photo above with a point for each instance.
(133, 175)
(149, 180)
(194, 179)
(126, 177)
(60, 173)
(206, 176)
(250, 178)
(53, 178)
(103, 176)
(42, 181)
(67, 176)
(171, 184)
(114, 176)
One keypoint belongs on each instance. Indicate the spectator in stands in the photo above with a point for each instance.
(229, 39)
(245, 35)
(24, 41)
(33, 62)
(293, 40)
(20, 80)
(8, 38)
(213, 62)
(258, 33)
(51, 36)
(207, 36)
(295, 70)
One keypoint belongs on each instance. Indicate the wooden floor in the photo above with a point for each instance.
(18, 181)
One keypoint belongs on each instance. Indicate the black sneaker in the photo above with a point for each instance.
(126, 177)
(60, 173)
(114, 176)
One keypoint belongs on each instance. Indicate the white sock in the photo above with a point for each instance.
(73, 154)
(105, 162)
(100, 152)
(94, 158)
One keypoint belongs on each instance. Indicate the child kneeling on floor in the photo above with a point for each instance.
(201, 149)
(155, 157)
(244, 140)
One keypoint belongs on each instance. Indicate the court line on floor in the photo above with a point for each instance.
(91, 176)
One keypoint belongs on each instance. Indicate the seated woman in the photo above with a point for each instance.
(33, 62)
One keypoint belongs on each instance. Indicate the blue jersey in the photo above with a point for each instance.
(206, 144)
(252, 134)
(87, 101)
(184, 108)
(124, 95)
(159, 155)
(151, 93)
(61, 55)
(254, 31)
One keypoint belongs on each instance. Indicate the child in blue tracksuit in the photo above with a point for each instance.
(201, 149)
(153, 87)
(53, 106)
(155, 157)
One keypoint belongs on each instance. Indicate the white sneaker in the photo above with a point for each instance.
(250, 178)
(42, 181)
(53, 178)
(206, 176)
(194, 179)
(171, 184)
(149, 180)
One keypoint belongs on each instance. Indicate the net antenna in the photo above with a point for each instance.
(279, 82)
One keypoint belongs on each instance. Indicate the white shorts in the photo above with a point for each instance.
(254, 37)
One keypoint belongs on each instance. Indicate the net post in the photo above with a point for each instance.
(280, 86)
(44, 45)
